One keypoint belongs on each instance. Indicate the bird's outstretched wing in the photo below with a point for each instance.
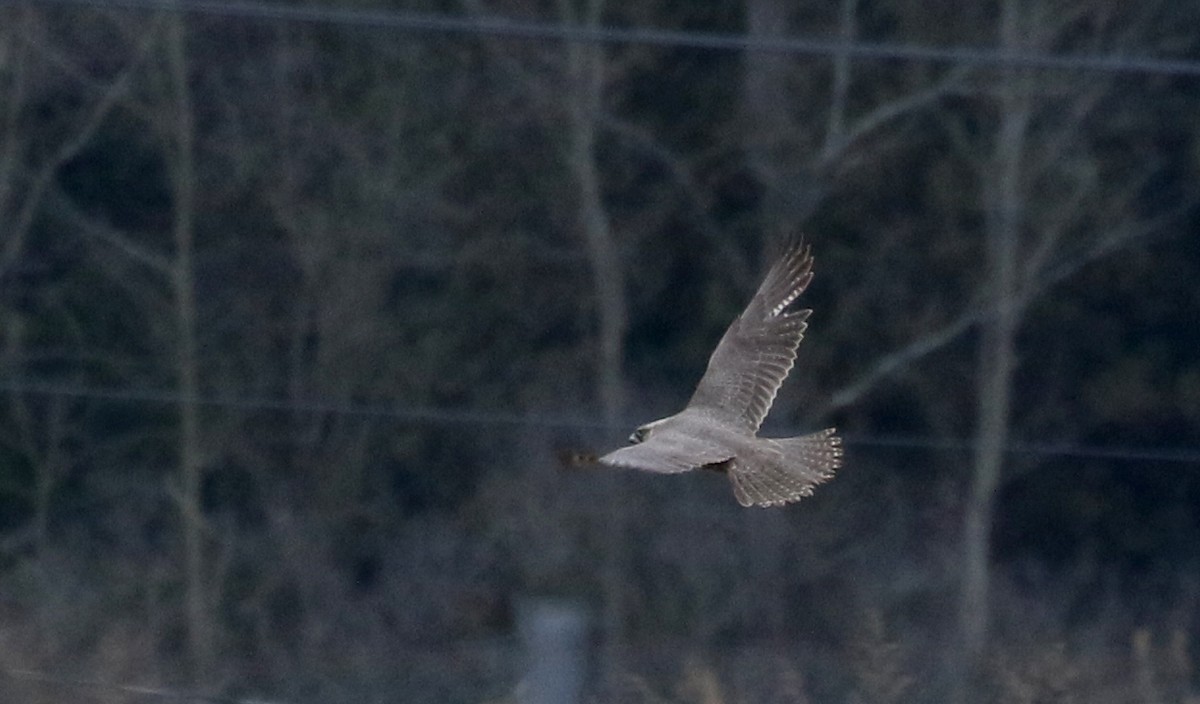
(759, 348)
(668, 452)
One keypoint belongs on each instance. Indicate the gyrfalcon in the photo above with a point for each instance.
(718, 430)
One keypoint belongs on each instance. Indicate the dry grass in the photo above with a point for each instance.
(880, 672)
(1163, 670)
(1035, 673)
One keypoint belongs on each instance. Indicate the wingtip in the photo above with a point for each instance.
(790, 276)
(798, 248)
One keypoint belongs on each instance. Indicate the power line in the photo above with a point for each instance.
(426, 23)
(460, 416)
(410, 413)
(1045, 449)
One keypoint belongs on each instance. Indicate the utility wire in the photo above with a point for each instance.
(460, 416)
(426, 23)
(1044, 449)
(410, 413)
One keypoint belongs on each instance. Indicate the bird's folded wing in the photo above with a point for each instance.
(668, 452)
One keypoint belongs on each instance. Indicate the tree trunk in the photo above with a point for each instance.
(191, 467)
(769, 120)
(997, 355)
(586, 77)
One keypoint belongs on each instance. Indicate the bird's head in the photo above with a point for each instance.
(644, 432)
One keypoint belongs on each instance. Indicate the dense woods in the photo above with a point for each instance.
(298, 315)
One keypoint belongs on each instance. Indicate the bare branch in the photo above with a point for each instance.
(71, 148)
(895, 362)
(891, 110)
(15, 103)
(1116, 240)
(541, 92)
(693, 194)
(89, 228)
(836, 124)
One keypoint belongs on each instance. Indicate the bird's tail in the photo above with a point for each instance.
(789, 471)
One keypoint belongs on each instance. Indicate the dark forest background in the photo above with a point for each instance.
(296, 318)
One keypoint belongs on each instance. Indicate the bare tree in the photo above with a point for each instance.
(35, 65)
(180, 147)
(26, 175)
(565, 87)
(163, 289)
(1047, 212)
(585, 80)
(798, 150)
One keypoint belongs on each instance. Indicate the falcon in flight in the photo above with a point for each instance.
(718, 430)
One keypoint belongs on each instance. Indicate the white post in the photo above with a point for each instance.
(554, 634)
